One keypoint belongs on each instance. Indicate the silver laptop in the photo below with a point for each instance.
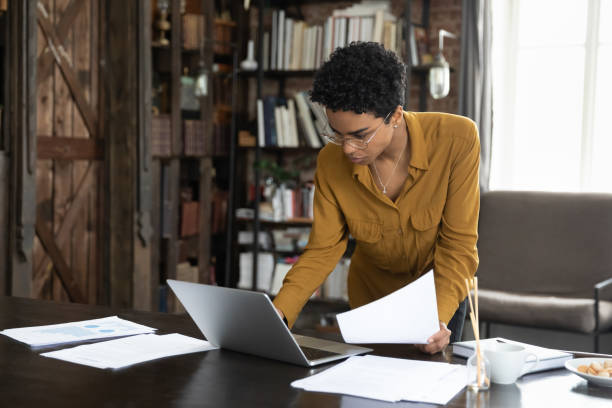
(246, 321)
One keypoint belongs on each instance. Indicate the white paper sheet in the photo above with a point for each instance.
(131, 350)
(408, 315)
(56, 334)
(389, 379)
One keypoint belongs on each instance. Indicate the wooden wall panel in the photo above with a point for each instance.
(81, 61)
(93, 249)
(42, 275)
(94, 215)
(68, 187)
(62, 126)
(144, 281)
(21, 117)
(121, 127)
(4, 222)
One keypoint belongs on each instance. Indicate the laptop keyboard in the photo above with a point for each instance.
(315, 354)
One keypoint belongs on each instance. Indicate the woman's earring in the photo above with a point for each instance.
(394, 126)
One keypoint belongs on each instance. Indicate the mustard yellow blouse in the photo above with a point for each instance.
(432, 223)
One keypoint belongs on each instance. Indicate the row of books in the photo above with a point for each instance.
(295, 45)
(271, 273)
(193, 137)
(265, 271)
(290, 203)
(291, 122)
(287, 240)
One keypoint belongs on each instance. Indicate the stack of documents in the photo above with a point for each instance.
(408, 315)
(548, 358)
(141, 345)
(130, 350)
(389, 379)
(57, 334)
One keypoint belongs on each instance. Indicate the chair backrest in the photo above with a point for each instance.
(545, 243)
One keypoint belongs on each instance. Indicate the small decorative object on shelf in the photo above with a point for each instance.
(189, 100)
(201, 84)
(439, 73)
(162, 24)
(249, 64)
(246, 139)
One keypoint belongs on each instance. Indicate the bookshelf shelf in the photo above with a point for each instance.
(301, 149)
(418, 69)
(295, 222)
(424, 69)
(279, 74)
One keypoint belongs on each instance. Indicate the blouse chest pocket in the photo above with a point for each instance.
(369, 237)
(426, 223)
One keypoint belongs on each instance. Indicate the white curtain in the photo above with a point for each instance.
(475, 80)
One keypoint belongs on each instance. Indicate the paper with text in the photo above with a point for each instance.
(408, 315)
(127, 351)
(389, 379)
(56, 334)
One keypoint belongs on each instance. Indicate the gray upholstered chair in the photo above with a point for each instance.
(546, 261)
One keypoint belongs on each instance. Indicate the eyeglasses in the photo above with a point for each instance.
(356, 143)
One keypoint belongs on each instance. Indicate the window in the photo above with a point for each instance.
(552, 95)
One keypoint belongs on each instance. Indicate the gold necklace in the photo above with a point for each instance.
(384, 186)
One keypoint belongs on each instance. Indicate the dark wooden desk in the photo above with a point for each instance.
(218, 378)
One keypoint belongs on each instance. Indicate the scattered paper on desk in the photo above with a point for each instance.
(127, 351)
(389, 379)
(408, 315)
(56, 334)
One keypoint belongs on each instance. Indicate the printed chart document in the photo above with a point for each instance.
(127, 351)
(408, 315)
(57, 334)
(389, 379)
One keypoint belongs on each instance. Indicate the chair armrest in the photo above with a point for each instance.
(602, 285)
(598, 288)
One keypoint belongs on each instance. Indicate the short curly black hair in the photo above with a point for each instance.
(362, 77)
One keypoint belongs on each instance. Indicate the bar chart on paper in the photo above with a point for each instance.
(56, 334)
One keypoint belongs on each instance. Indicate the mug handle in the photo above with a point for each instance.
(534, 363)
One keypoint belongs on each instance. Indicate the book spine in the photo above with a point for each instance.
(274, 40)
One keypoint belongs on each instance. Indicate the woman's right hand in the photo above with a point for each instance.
(282, 316)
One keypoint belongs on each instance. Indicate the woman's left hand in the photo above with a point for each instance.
(437, 342)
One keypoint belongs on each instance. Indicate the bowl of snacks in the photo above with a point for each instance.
(595, 370)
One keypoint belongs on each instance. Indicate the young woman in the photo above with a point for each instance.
(403, 184)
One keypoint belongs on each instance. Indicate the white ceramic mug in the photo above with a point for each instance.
(508, 362)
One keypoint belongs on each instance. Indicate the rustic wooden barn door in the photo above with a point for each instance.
(70, 153)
